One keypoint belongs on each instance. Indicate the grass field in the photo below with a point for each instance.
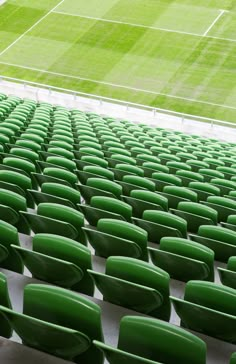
(173, 54)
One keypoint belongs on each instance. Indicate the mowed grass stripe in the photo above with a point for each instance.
(16, 19)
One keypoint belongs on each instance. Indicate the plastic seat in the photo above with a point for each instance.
(99, 187)
(61, 174)
(197, 164)
(222, 241)
(6, 329)
(141, 200)
(196, 214)
(11, 204)
(184, 157)
(131, 182)
(176, 194)
(208, 308)
(208, 174)
(53, 218)
(145, 340)
(225, 186)
(58, 321)
(94, 172)
(122, 170)
(213, 163)
(175, 166)
(231, 223)
(149, 168)
(228, 274)
(166, 157)
(164, 179)
(102, 207)
(58, 161)
(159, 224)
(228, 171)
(120, 158)
(143, 157)
(184, 260)
(115, 237)
(204, 190)
(224, 206)
(8, 257)
(59, 260)
(135, 285)
(61, 191)
(188, 176)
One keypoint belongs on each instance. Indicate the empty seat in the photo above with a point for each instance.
(141, 200)
(196, 214)
(208, 308)
(176, 194)
(188, 176)
(204, 190)
(58, 321)
(224, 206)
(184, 260)
(9, 258)
(222, 241)
(145, 340)
(225, 186)
(57, 219)
(99, 187)
(105, 207)
(115, 237)
(164, 179)
(60, 261)
(136, 285)
(131, 182)
(228, 274)
(160, 223)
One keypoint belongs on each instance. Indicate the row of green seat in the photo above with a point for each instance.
(68, 325)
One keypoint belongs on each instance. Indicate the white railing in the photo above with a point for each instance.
(114, 107)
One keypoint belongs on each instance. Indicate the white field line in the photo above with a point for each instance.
(146, 26)
(28, 30)
(214, 22)
(118, 86)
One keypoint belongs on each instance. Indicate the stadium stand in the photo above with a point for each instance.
(112, 231)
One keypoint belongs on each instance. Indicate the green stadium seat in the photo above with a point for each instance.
(197, 164)
(102, 207)
(188, 176)
(196, 214)
(176, 194)
(164, 179)
(145, 340)
(224, 185)
(184, 260)
(141, 200)
(58, 321)
(115, 237)
(222, 241)
(224, 206)
(206, 303)
(58, 219)
(204, 190)
(159, 224)
(135, 285)
(228, 274)
(175, 166)
(8, 257)
(99, 187)
(60, 261)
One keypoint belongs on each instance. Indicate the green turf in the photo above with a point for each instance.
(150, 52)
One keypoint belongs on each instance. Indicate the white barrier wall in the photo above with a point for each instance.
(138, 113)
